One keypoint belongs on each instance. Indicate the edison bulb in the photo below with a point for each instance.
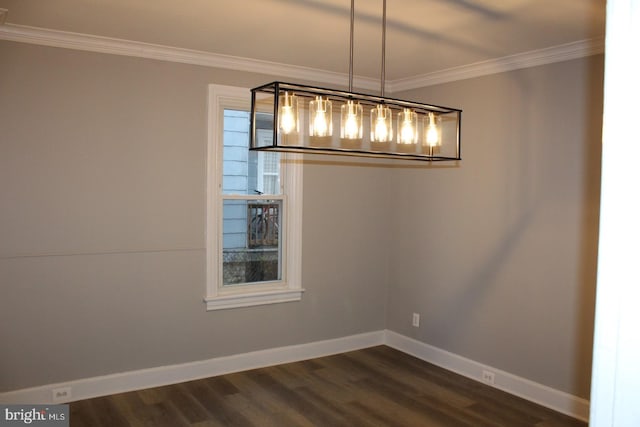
(351, 127)
(320, 117)
(407, 126)
(407, 133)
(381, 127)
(381, 130)
(320, 123)
(351, 121)
(287, 120)
(432, 136)
(288, 114)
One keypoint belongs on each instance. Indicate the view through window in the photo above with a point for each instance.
(252, 204)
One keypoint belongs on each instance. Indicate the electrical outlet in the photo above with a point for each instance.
(489, 377)
(62, 394)
(416, 320)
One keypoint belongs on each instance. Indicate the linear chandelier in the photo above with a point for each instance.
(288, 117)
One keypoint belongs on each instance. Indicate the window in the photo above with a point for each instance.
(254, 210)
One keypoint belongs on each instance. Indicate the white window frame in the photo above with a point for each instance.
(289, 288)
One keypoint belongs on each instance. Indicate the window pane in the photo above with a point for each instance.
(269, 172)
(244, 171)
(251, 241)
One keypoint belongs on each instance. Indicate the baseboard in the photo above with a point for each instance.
(154, 377)
(546, 396)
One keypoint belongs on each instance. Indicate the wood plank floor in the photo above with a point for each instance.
(378, 386)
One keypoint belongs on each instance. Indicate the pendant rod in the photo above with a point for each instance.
(384, 36)
(351, 47)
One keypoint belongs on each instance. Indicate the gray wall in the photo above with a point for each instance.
(102, 261)
(498, 255)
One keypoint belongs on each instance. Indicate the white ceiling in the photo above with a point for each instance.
(423, 36)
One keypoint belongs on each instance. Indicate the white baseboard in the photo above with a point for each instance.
(154, 377)
(513, 384)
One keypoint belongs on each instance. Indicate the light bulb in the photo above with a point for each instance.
(407, 124)
(407, 132)
(287, 122)
(320, 117)
(351, 127)
(320, 123)
(289, 114)
(351, 121)
(432, 137)
(381, 127)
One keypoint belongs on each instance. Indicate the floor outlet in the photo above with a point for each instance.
(489, 377)
(416, 320)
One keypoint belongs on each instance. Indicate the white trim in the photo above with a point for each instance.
(615, 377)
(92, 43)
(564, 52)
(114, 46)
(513, 384)
(213, 183)
(172, 374)
(253, 298)
(293, 181)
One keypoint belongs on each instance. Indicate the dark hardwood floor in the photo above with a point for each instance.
(378, 386)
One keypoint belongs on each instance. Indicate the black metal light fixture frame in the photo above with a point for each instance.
(268, 99)
(423, 131)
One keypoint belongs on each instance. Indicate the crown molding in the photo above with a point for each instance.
(518, 61)
(92, 43)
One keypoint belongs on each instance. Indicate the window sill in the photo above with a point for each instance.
(254, 298)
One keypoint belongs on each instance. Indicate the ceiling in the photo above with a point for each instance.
(423, 36)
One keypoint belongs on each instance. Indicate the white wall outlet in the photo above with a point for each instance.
(62, 394)
(416, 320)
(489, 377)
